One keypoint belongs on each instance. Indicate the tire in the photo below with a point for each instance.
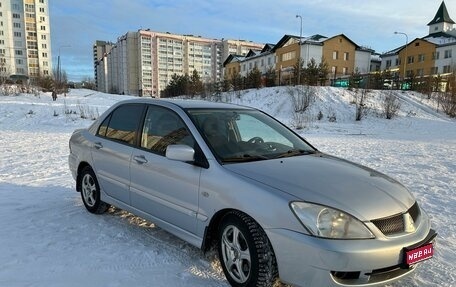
(90, 192)
(245, 252)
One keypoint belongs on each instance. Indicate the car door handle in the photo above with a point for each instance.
(140, 159)
(98, 145)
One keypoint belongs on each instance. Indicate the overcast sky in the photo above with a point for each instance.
(76, 25)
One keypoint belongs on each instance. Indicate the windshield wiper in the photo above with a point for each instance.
(295, 152)
(245, 158)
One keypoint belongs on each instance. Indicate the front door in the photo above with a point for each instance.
(164, 188)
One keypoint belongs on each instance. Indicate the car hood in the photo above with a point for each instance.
(327, 180)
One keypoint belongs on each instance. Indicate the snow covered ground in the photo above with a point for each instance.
(47, 237)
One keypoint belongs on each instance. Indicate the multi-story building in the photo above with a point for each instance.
(143, 63)
(100, 48)
(25, 39)
(431, 55)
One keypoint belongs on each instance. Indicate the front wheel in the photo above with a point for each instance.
(245, 252)
(90, 192)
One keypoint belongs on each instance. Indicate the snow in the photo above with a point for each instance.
(48, 238)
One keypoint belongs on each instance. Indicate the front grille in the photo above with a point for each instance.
(390, 225)
(395, 224)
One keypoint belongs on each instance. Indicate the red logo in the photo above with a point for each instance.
(419, 254)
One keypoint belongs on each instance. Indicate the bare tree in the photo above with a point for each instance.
(301, 97)
(361, 96)
(391, 105)
(447, 99)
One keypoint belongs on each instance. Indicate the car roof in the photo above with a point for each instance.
(187, 104)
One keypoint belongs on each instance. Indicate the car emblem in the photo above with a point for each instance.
(409, 223)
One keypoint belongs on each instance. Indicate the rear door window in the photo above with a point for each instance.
(122, 125)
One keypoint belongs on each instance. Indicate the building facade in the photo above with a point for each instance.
(100, 48)
(430, 56)
(142, 63)
(25, 39)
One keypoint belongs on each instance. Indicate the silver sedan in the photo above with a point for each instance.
(233, 177)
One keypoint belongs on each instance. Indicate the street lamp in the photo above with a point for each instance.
(59, 70)
(406, 43)
(299, 60)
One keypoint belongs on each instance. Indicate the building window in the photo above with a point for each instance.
(45, 55)
(410, 59)
(289, 56)
(335, 55)
(421, 58)
(447, 69)
(398, 61)
(43, 37)
(18, 52)
(16, 16)
(447, 54)
(43, 28)
(17, 25)
(346, 56)
(344, 70)
(434, 70)
(17, 34)
(420, 72)
(435, 55)
(388, 63)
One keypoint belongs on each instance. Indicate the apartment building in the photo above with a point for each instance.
(25, 39)
(100, 48)
(142, 63)
(432, 55)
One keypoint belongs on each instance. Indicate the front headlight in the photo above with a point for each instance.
(326, 222)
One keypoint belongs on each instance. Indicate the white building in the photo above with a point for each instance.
(25, 39)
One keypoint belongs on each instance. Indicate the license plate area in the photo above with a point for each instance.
(418, 254)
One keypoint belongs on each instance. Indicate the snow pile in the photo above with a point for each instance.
(48, 239)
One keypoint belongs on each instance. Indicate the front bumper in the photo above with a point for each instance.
(305, 260)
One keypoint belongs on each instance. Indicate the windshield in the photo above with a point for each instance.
(246, 135)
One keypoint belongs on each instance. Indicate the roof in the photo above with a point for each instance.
(441, 16)
(233, 57)
(441, 39)
(186, 104)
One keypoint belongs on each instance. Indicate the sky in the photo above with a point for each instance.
(76, 25)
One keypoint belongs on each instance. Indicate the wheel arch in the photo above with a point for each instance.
(81, 166)
(210, 234)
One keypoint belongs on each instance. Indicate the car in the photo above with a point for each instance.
(233, 178)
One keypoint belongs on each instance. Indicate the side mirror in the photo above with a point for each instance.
(180, 152)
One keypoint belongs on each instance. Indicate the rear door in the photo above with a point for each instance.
(113, 148)
(164, 188)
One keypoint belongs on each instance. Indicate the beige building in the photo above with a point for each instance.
(25, 39)
(142, 63)
(341, 54)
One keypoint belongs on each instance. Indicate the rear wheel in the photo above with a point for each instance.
(90, 192)
(245, 252)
